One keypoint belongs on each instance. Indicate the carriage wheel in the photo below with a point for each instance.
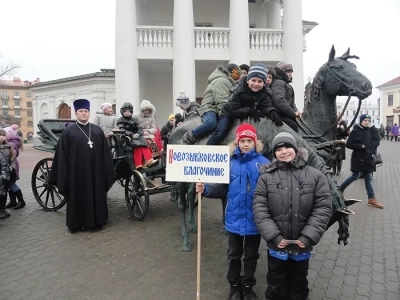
(137, 196)
(46, 194)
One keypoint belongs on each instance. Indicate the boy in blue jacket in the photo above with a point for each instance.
(246, 161)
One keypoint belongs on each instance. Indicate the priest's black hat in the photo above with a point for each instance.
(81, 104)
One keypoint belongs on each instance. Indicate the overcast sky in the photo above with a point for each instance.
(53, 39)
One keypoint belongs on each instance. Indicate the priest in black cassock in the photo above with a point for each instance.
(83, 171)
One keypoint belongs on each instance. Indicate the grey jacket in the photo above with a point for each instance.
(4, 175)
(106, 122)
(292, 201)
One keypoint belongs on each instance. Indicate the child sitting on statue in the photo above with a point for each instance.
(251, 98)
(142, 156)
(246, 161)
(292, 208)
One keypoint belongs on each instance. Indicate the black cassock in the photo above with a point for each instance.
(83, 175)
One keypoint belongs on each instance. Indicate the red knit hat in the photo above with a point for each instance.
(246, 131)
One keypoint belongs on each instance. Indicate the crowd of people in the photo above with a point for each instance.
(279, 199)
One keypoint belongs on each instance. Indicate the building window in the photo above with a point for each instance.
(28, 94)
(17, 103)
(29, 104)
(5, 113)
(30, 123)
(17, 113)
(252, 1)
(4, 104)
(29, 113)
(367, 112)
(203, 24)
(373, 113)
(16, 93)
(339, 107)
(389, 120)
(390, 100)
(4, 95)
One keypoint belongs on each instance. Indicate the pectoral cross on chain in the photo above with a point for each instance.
(90, 143)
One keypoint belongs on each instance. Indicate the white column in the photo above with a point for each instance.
(126, 62)
(292, 44)
(239, 23)
(184, 69)
(274, 18)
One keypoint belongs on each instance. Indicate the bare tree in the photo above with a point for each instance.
(8, 68)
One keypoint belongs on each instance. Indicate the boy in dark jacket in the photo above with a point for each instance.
(251, 98)
(246, 161)
(363, 145)
(292, 208)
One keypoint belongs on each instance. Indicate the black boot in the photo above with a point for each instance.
(13, 200)
(248, 293)
(235, 293)
(21, 202)
(3, 213)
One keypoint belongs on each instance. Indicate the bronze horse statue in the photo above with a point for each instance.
(317, 131)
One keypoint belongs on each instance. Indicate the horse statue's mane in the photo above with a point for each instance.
(317, 126)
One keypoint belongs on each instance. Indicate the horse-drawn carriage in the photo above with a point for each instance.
(138, 184)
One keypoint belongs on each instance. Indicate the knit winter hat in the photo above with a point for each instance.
(258, 70)
(284, 139)
(364, 116)
(285, 66)
(105, 105)
(171, 116)
(244, 67)
(246, 131)
(182, 100)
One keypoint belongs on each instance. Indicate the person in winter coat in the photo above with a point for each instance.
(145, 119)
(190, 108)
(292, 208)
(14, 191)
(142, 156)
(7, 164)
(106, 119)
(166, 130)
(216, 95)
(283, 98)
(244, 70)
(341, 134)
(246, 161)
(382, 132)
(395, 132)
(251, 98)
(363, 146)
(387, 129)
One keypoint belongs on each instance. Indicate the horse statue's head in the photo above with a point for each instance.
(339, 77)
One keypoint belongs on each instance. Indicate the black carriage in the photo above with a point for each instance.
(138, 184)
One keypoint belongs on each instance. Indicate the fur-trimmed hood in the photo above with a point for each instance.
(147, 104)
(259, 147)
(299, 162)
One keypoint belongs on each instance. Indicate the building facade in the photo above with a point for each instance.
(390, 101)
(367, 107)
(16, 105)
(164, 46)
(53, 99)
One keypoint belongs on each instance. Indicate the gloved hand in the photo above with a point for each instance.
(273, 115)
(255, 114)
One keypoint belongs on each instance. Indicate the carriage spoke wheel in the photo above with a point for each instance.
(46, 194)
(136, 196)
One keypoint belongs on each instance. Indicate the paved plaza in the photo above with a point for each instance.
(40, 259)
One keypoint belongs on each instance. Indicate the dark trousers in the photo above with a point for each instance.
(287, 279)
(395, 138)
(235, 253)
(223, 127)
(291, 123)
(3, 198)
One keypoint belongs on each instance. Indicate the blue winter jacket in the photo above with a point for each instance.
(244, 172)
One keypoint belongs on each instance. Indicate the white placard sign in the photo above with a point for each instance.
(197, 163)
